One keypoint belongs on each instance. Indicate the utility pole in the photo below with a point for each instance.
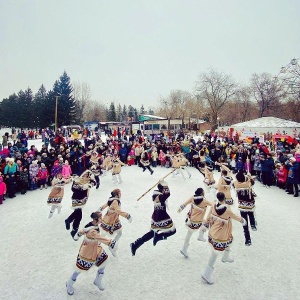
(56, 104)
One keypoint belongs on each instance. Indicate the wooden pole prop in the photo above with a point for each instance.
(156, 184)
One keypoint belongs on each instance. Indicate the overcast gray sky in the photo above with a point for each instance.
(133, 51)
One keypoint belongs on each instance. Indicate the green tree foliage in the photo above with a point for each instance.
(42, 111)
(66, 112)
(25, 100)
(7, 111)
(111, 113)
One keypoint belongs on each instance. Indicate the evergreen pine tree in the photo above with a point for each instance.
(111, 116)
(66, 104)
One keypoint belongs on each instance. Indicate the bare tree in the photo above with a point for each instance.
(95, 111)
(82, 96)
(215, 88)
(244, 103)
(267, 91)
(290, 78)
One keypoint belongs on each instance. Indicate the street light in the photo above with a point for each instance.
(218, 119)
(56, 103)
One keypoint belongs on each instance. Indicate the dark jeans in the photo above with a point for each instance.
(150, 235)
(75, 217)
(267, 178)
(293, 189)
(249, 217)
(147, 167)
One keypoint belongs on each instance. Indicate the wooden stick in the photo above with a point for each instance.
(156, 184)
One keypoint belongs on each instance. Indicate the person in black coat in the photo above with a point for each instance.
(267, 167)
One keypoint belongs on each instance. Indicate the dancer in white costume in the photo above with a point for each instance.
(91, 252)
(220, 234)
(111, 222)
(56, 194)
(194, 217)
(116, 169)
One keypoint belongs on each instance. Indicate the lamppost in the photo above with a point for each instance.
(218, 120)
(56, 104)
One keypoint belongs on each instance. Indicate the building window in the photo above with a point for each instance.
(148, 126)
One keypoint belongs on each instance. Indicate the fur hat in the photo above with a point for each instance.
(199, 192)
(227, 179)
(210, 168)
(162, 184)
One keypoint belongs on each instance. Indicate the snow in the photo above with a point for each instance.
(268, 122)
(38, 254)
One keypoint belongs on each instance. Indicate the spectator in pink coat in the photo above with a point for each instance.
(2, 189)
(66, 171)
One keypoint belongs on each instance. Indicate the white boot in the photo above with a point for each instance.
(118, 235)
(186, 244)
(226, 258)
(98, 281)
(51, 213)
(119, 178)
(114, 179)
(113, 248)
(46, 186)
(58, 209)
(201, 237)
(69, 285)
(207, 275)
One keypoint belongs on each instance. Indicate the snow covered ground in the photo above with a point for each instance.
(37, 254)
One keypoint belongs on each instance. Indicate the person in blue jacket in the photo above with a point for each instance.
(293, 178)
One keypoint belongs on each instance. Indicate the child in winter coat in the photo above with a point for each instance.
(24, 180)
(2, 190)
(33, 175)
(43, 176)
(66, 172)
(131, 157)
(281, 175)
(154, 156)
(248, 166)
(162, 158)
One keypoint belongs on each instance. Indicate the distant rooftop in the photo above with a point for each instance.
(268, 122)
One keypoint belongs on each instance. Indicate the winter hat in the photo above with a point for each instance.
(35, 162)
(293, 159)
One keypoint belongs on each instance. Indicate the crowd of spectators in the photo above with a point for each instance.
(24, 168)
